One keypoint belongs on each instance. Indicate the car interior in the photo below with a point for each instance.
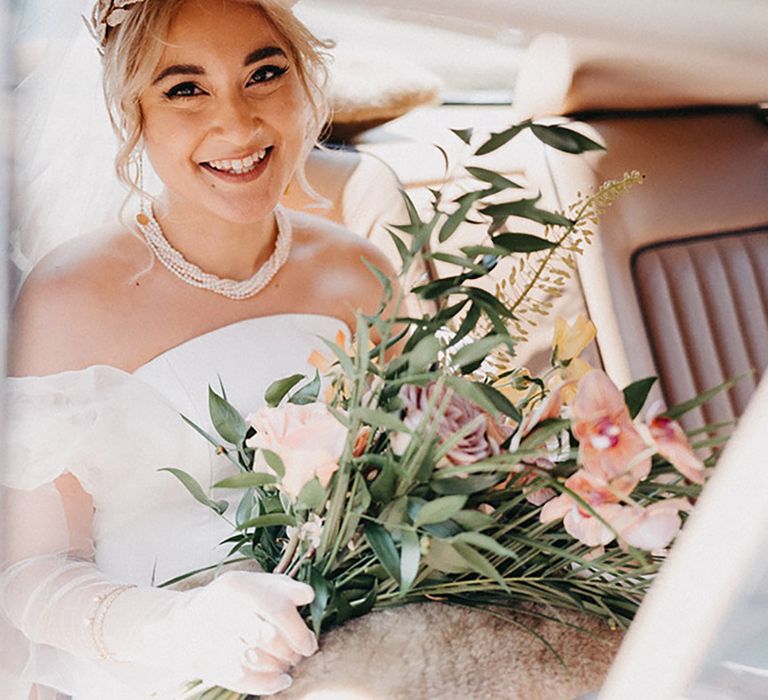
(676, 280)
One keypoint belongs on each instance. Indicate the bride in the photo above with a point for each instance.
(118, 332)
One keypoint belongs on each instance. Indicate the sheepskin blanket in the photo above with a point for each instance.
(433, 651)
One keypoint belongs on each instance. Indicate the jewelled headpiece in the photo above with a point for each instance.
(107, 14)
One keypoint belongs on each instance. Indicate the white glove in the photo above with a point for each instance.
(242, 631)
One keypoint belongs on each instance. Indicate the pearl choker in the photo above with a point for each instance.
(191, 274)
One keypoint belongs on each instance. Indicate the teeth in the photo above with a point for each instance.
(238, 166)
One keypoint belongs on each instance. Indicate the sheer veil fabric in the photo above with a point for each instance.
(64, 173)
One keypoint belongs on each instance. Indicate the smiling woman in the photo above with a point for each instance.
(225, 99)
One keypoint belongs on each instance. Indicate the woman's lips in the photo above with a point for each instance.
(248, 176)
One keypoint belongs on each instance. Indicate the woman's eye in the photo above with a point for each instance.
(183, 90)
(266, 74)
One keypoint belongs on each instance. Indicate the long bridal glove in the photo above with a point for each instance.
(242, 631)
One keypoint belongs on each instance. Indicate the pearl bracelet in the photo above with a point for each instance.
(96, 621)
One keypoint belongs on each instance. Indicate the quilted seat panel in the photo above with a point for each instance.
(704, 302)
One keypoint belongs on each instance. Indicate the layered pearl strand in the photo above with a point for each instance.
(190, 273)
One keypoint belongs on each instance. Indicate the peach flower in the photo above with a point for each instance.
(307, 438)
(570, 340)
(653, 527)
(650, 528)
(671, 442)
(609, 444)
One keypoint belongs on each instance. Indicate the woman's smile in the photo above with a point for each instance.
(240, 170)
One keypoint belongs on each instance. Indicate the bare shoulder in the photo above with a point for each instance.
(65, 310)
(341, 262)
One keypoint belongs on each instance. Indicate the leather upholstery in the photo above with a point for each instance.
(705, 305)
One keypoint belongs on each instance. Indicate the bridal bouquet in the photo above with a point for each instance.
(419, 462)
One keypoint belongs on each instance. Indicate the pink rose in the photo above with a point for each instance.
(308, 439)
(475, 446)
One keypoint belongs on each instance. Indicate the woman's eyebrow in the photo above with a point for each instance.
(179, 69)
(191, 69)
(262, 53)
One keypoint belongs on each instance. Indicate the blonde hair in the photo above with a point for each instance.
(132, 54)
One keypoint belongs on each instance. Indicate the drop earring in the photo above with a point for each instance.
(142, 217)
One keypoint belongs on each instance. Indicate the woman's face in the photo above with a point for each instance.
(226, 114)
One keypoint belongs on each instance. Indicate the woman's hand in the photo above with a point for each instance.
(241, 632)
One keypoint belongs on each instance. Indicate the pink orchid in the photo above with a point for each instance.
(609, 444)
(649, 528)
(585, 527)
(653, 527)
(672, 443)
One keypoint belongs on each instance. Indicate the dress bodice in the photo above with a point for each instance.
(115, 431)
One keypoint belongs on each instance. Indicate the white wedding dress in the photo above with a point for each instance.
(114, 431)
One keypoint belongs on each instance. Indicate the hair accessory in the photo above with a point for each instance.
(107, 14)
(190, 273)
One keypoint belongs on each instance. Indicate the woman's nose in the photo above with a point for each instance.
(236, 119)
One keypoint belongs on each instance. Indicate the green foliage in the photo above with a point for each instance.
(400, 521)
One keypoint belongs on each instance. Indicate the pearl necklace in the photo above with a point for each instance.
(191, 274)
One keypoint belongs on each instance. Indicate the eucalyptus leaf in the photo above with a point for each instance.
(424, 354)
(468, 324)
(246, 480)
(342, 357)
(439, 510)
(526, 209)
(308, 393)
(457, 217)
(383, 279)
(636, 394)
(197, 491)
(471, 484)
(384, 485)
(380, 419)
(274, 461)
(226, 418)
(475, 250)
(277, 391)
(458, 260)
(384, 548)
(564, 139)
(479, 563)
(402, 249)
(497, 140)
(544, 431)
(269, 520)
(312, 496)
(473, 520)
(246, 509)
(477, 350)
(443, 557)
(500, 402)
(410, 557)
(487, 543)
(319, 605)
(492, 177)
(522, 243)
(464, 134)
